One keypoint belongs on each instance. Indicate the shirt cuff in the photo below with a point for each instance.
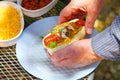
(105, 45)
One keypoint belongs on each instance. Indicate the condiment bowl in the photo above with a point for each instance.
(37, 12)
(13, 40)
(11, 0)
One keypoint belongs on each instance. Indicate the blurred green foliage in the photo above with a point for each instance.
(108, 14)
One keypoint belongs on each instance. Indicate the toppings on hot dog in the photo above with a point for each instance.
(64, 34)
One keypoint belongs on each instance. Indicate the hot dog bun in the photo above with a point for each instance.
(63, 35)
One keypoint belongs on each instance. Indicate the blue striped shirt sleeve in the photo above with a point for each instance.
(107, 43)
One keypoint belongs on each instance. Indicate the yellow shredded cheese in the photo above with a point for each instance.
(10, 22)
(67, 41)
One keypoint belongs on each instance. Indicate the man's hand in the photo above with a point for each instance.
(78, 54)
(80, 9)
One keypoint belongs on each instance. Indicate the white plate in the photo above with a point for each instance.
(33, 57)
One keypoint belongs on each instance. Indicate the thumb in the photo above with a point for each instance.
(89, 23)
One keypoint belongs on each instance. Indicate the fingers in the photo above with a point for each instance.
(58, 60)
(49, 56)
(71, 12)
(89, 23)
(65, 15)
(62, 19)
(65, 63)
(60, 55)
(61, 59)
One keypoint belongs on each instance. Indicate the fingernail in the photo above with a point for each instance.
(89, 30)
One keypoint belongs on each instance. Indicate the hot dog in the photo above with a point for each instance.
(63, 35)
